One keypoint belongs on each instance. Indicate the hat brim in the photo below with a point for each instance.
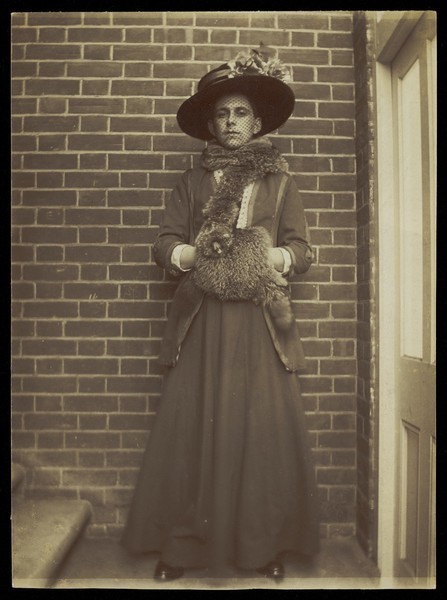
(273, 98)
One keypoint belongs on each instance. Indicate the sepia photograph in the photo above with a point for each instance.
(223, 300)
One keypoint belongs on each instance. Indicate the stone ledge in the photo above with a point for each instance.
(43, 532)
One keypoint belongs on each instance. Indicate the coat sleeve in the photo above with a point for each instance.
(293, 232)
(174, 227)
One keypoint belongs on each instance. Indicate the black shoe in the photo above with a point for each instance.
(164, 572)
(273, 569)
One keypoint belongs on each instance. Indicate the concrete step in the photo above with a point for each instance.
(17, 476)
(43, 532)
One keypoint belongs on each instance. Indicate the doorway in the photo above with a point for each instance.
(406, 193)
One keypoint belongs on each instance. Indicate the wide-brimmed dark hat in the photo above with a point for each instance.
(263, 82)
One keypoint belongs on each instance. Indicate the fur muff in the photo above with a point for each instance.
(233, 263)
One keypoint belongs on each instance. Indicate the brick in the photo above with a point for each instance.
(50, 254)
(48, 328)
(139, 106)
(220, 19)
(46, 477)
(342, 57)
(54, 18)
(135, 180)
(49, 366)
(95, 403)
(23, 180)
(135, 422)
(94, 477)
(92, 68)
(137, 69)
(138, 52)
(97, 52)
(90, 180)
(100, 106)
(98, 422)
(51, 34)
(337, 329)
(92, 197)
(25, 329)
(335, 74)
(95, 142)
(336, 110)
(344, 274)
(52, 142)
(22, 366)
(92, 385)
(90, 459)
(51, 162)
(93, 161)
(137, 88)
(51, 51)
(92, 254)
(178, 71)
(23, 143)
(51, 384)
(49, 216)
(134, 367)
(311, 91)
(52, 87)
(306, 56)
(20, 35)
(52, 69)
(131, 235)
(22, 439)
(49, 180)
(91, 348)
(133, 384)
(132, 347)
(50, 421)
(334, 219)
(87, 290)
(334, 40)
(23, 106)
(92, 310)
(95, 34)
(48, 347)
(50, 273)
(343, 311)
(92, 235)
(133, 291)
(337, 256)
(138, 124)
(136, 329)
(314, 127)
(88, 329)
(338, 366)
(134, 161)
(179, 53)
(333, 476)
(98, 440)
(138, 35)
(93, 272)
(95, 87)
(48, 235)
(303, 21)
(51, 309)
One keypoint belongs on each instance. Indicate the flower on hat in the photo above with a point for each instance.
(254, 62)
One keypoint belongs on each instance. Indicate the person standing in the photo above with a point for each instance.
(227, 476)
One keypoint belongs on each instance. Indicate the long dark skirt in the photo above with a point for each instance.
(227, 476)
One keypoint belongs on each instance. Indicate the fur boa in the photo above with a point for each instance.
(233, 263)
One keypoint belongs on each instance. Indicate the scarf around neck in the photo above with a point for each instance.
(240, 167)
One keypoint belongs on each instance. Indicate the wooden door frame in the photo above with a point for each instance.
(390, 35)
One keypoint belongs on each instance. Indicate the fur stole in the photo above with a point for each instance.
(232, 263)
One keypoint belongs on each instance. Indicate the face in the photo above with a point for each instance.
(234, 122)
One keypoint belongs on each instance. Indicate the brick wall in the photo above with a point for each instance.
(366, 327)
(96, 149)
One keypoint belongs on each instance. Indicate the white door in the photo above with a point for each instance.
(406, 181)
(413, 82)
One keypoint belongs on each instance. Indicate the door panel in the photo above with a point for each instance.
(414, 116)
